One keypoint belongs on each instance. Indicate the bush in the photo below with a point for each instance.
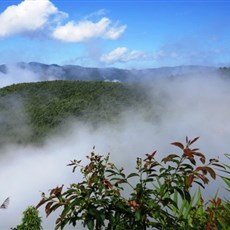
(160, 196)
(30, 220)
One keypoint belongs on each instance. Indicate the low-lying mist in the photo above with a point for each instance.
(183, 106)
(13, 73)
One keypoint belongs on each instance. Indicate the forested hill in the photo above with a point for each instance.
(30, 111)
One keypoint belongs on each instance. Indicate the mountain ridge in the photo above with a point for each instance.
(77, 72)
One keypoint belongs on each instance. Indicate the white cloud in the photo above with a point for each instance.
(122, 54)
(98, 13)
(29, 15)
(115, 32)
(77, 32)
(84, 30)
(34, 15)
(164, 54)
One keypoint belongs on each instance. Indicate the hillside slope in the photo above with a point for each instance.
(30, 111)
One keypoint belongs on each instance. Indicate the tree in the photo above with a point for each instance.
(30, 220)
(157, 195)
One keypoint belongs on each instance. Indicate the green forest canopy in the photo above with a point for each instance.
(29, 111)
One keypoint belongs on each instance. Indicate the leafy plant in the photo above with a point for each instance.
(30, 220)
(225, 178)
(156, 195)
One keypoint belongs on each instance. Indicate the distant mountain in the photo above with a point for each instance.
(75, 72)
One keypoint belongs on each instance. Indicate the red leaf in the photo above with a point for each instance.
(43, 201)
(206, 169)
(211, 172)
(133, 203)
(208, 227)
(198, 153)
(188, 152)
(178, 144)
(202, 160)
(47, 208)
(191, 159)
(150, 156)
(203, 178)
(107, 183)
(200, 168)
(194, 140)
(169, 157)
(56, 191)
(189, 180)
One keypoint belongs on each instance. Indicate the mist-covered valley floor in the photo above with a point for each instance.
(192, 105)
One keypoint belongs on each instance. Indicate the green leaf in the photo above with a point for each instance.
(188, 206)
(187, 196)
(90, 224)
(187, 166)
(55, 206)
(199, 183)
(175, 199)
(137, 215)
(111, 171)
(168, 200)
(149, 180)
(219, 165)
(180, 192)
(133, 175)
(116, 178)
(227, 181)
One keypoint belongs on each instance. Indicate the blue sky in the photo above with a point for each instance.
(124, 34)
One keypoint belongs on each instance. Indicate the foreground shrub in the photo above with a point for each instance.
(156, 196)
(30, 220)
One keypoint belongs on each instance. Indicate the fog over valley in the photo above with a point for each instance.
(181, 101)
